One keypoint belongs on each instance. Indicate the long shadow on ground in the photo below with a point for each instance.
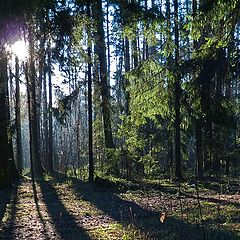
(40, 216)
(220, 186)
(5, 198)
(8, 198)
(214, 200)
(128, 212)
(65, 224)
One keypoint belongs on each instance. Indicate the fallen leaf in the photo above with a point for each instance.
(162, 217)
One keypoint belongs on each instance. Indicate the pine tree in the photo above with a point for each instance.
(101, 52)
(5, 174)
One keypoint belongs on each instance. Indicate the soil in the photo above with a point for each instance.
(65, 208)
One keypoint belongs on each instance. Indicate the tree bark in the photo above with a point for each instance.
(177, 91)
(45, 117)
(199, 149)
(37, 167)
(5, 175)
(90, 120)
(18, 119)
(127, 69)
(101, 51)
(12, 165)
(26, 70)
(135, 53)
(198, 122)
(50, 129)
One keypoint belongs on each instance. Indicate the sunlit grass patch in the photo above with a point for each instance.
(117, 231)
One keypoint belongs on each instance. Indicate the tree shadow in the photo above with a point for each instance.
(8, 202)
(135, 185)
(65, 224)
(127, 212)
(36, 201)
(220, 186)
(5, 198)
(214, 200)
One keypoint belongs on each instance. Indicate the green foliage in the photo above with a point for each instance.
(217, 25)
(149, 91)
(150, 30)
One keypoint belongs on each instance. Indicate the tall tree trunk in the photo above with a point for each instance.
(26, 70)
(108, 48)
(170, 101)
(45, 117)
(5, 175)
(145, 43)
(99, 143)
(38, 94)
(50, 130)
(12, 165)
(198, 122)
(228, 93)
(10, 104)
(177, 91)
(37, 167)
(206, 75)
(18, 119)
(90, 120)
(135, 54)
(127, 66)
(151, 50)
(221, 71)
(101, 51)
(127, 69)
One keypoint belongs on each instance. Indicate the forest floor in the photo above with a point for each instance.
(66, 208)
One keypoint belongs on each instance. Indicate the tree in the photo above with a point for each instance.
(18, 119)
(177, 96)
(5, 174)
(90, 120)
(37, 167)
(101, 52)
(50, 125)
(198, 122)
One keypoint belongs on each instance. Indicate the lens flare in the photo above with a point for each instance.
(20, 49)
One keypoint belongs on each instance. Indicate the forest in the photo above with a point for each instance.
(120, 119)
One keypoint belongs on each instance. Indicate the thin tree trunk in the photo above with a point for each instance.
(45, 120)
(199, 149)
(30, 121)
(127, 69)
(205, 77)
(90, 120)
(198, 122)
(108, 48)
(228, 89)
(18, 120)
(12, 165)
(171, 97)
(145, 43)
(50, 130)
(178, 172)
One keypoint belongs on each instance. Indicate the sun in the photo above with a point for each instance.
(20, 49)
